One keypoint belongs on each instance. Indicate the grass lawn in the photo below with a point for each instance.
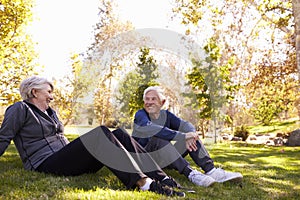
(276, 127)
(269, 173)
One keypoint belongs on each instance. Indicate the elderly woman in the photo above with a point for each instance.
(38, 136)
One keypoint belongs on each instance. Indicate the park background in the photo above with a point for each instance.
(245, 83)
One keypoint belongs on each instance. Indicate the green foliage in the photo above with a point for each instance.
(17, 55)
(210, 83)
(191, 10)
(147, 71)
(241, 131)
(244, 26)
(134, 84)
(267, 109)
(281, 11)
(273, 91)
(127, 89)
(201, 97)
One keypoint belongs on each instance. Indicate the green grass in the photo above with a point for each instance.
(269, 173)
(276, 127)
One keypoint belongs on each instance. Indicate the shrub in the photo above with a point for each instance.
(242, 132)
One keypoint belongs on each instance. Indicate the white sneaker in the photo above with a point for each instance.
(201, 179)
(221, 176)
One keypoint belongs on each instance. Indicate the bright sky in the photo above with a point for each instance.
(65, 26)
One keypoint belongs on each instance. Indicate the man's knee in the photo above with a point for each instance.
(156, 143)
(160, 142)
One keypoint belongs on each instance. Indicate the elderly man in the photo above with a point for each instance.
(155, 128)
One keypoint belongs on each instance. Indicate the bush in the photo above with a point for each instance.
(242, 132)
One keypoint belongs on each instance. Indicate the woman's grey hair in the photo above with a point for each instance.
(34, 82)
(157, 89)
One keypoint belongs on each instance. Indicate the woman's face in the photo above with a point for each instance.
(43, 96)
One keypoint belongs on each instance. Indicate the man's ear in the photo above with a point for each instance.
(163, 102)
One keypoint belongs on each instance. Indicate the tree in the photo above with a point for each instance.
(17, 55)
(267, 109)
(145, 75)
(103, 54)
(103, 57)
(147, 70)
(102, 105)
(296, 14)
(126, 90)
(244, 26)
(211, 85)
(70, 91)
(273, 90)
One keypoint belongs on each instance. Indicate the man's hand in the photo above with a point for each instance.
(190, 135)
(190, 141)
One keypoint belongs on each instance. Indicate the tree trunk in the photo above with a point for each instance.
(296, 13)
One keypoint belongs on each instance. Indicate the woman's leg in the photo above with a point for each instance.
(141, 156)
(71, 160)
(89, 153)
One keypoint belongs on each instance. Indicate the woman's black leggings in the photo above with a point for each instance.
(101, 147)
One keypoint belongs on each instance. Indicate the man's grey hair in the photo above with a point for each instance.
(157, 89)
(34, 82)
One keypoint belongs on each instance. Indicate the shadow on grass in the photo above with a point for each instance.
(17, 183)
(274, 171)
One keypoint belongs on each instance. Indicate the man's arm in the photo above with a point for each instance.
(145, 128)
(176, 123)
(185, 127)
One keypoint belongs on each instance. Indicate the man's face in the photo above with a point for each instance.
(152, 103)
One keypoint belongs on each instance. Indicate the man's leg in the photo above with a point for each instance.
(165, 154)
(201, 157)
(204, 161)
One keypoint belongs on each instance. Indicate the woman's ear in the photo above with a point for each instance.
(33, 92)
